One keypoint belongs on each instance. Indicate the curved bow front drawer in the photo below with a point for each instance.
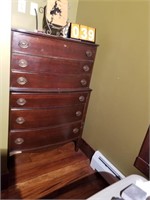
(35, 118)
(47, 100)
(44, 45)
(33, 139)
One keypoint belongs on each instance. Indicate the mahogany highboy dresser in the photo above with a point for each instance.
(49, 90)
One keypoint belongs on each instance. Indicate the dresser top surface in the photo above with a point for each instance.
(42, 34)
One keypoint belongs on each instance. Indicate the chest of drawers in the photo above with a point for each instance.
(49, 90)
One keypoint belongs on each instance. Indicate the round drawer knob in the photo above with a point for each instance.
(89, 53)
(23, 44)
(86, 68)
(83, 82)
(21, 80)
(21, 101)
(19, 140)
(78, 113)
(81, 98)
(20, 120)
(22, 63)
(75, 130)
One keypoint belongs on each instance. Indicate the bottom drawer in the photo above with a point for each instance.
(34, 139)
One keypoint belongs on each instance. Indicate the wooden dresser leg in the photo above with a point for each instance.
(77, 144)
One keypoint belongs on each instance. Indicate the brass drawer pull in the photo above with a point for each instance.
(89, 53)
(19, 140)
(23, 44)
(22, 63)
(81, 98)
(75, 130)
(21, 101)
(78, 113)
(20, 120)
(83, 82)
(86, 68)
(21, 80)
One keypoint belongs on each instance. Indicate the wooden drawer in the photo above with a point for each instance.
(29, 118)
(27, 63)
(41, 44)
(33, 139)
(32, 81)
(46, 100)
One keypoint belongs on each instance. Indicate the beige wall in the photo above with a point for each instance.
(118, 114)
(27, 21)
(4, 79)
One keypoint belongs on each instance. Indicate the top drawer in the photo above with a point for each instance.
(43, 45)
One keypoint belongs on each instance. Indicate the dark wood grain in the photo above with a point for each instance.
(56, 173)
(38, 118)
(49, 75)
(52, 46)
(51, 65)
(48, 100)
(50, 81)
(45, 137)
(80, 189)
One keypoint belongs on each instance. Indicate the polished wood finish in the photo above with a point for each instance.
(53, 81)
(80, 189)
(42, 44)
(52, 173)
(42, 100)
(49, 90)
(51, 64)
(45, 117)
(142, 161)
(44, 137)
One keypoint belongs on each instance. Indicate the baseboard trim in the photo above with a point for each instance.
(86, 148)
(89, 151)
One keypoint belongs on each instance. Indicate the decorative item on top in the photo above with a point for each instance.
(55, 20)
(82, 32)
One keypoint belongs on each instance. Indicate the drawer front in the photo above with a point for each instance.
(42, 100)
(25, 140)
(48, 81)
(52, 46)
(27, 63)
(28, 118)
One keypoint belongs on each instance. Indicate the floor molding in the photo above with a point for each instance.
(89, 151)
(86, 148)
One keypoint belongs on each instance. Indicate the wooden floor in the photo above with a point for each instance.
(59, 173)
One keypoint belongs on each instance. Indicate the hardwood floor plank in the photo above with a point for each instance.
(45, 173)
(53, 180)
(33, 170)
(79, 189)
